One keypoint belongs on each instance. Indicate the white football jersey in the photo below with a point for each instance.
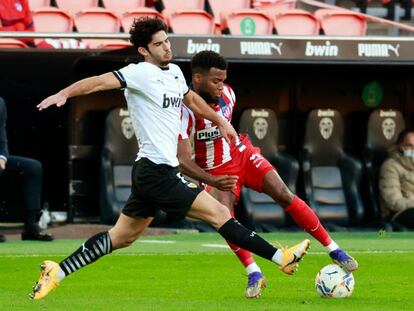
(154, 96)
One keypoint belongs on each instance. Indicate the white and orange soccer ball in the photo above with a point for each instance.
(334, 282)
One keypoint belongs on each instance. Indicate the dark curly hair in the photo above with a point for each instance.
(203, 61)
(403, 134)
(143, 29)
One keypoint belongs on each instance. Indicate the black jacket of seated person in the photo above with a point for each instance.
(30, 172)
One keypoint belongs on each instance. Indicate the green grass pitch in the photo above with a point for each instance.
(181, 273)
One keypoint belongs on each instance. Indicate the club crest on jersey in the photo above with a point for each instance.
(18, 6)
(174, 102)
(189, 184)
(208, 134)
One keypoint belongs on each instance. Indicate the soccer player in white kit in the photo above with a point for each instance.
(155, 90)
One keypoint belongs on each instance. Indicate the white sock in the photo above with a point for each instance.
(253, 267)
(331, 246)
(277, 257)
(60, 275)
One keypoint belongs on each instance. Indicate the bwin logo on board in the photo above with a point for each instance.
(171, 101)
(327, 49)
(195, 47)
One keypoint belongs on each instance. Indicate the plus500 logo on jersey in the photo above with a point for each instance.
(208, 134)
(171, 101)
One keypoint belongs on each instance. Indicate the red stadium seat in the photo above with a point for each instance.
(120, 7)
(74, 6)
(177, 5)
(296, 22)
(261, 3)
(341, 22)
(220, 7)
(114, 44)
(35, 4)
(272, 8)
(247, 22)
(97, 20)
(50, 19)
(128, 17)
(191, 22)
(11, 43)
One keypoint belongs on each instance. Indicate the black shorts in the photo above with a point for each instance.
(159, 187)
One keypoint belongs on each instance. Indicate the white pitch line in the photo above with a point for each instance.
(222, 246)
(215, 245)
(324, 253)
(371, 252)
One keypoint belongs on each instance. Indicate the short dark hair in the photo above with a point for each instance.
(403, 134)
(203, 61)
(143, 29)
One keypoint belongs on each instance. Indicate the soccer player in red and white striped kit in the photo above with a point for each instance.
(226, 168)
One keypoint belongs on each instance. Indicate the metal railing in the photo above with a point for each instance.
(61, 35)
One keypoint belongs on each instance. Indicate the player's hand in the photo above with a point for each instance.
(57, 99)
(227, 131)
(224, 182)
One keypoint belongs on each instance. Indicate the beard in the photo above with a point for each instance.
(164, 63)
(208, 98)
(160, 62)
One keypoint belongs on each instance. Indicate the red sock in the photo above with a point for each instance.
(306, 218)
(244, 256)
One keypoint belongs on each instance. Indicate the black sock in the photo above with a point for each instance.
(234, 232)
(31, 218)
(97, 246)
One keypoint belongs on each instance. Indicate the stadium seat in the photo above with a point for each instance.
(247, 22)
(35, 4)
(171, 6)
(50, 19)
(128, 18)
(295, 22)
(257, 4)
(114, 44)
(384, 126)
(262, 127)
(11, 43)
(341, 22)
(271, 8)
(74, 6)
(191, 22)
(120, 7)
(119, 152)
(97, 20)
(221, 8)
(331, 177)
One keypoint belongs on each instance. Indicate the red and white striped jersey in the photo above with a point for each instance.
(210, 149)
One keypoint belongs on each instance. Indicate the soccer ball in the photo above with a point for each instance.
(333, 282)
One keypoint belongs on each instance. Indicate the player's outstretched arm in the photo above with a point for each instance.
(106, 81)
(198, 105)
(191, 169)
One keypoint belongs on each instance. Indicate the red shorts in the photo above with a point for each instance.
(248, 164)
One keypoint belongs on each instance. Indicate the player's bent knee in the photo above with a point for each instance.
(221, 216)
